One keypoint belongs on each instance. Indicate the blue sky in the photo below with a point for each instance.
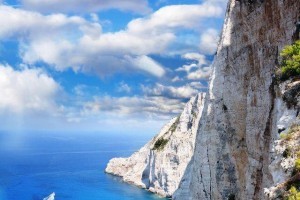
(103, 65)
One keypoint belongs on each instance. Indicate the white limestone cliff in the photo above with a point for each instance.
(238, 130)
(238, 153)
(159, 168)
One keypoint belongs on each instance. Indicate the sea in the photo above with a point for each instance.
(35, 164)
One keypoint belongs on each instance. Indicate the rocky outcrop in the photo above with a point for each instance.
(236, 139)
(161, 163)
(286, 148)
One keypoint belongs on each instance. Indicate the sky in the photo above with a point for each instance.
(103, 65)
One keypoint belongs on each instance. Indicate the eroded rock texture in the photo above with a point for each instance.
(159, 166)
(234, 143)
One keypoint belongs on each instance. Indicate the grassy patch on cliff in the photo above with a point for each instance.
(289, 135)
(160, 144)
(293, 194)
(290, 189)
(174, 125)
(293, 186)
(290, 63)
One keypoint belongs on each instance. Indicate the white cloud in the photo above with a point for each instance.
(86, 6)
(149, 107)
(123, 87)
(199, 58)
(202, 73)
(222, 3)
(175, 16)
(27, 90)
(209, 41)
(176, 79)
(199, 69)
(73, 42)
(181, 92)
(147, 64)
(197, 85)
(65, 42)
(26, 25)
(196, 56)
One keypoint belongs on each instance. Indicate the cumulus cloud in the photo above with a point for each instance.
(133, 106)
(123, 87)
(63, 42)
(21, 24)
(209, 41)
(182, 92)
(85, 6)
(175, 16)
(198, 69)
(202, 73)
(197, 85)
(199, 58)
(176, 79)
(27, 90)
(147, 64)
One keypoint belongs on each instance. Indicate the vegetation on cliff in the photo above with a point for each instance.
(292, 186)
(290, 63)
(160, 144)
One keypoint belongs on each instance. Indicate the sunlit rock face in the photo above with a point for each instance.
(161, 163)
(237, 131)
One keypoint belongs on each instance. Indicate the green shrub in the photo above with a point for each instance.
(160, 144)
(289, 135)
(290, 64)
(297, 165)
(174, 125)
(286, 136)
(294, 128)
(194, 114)
(293, 194)
(287, 152)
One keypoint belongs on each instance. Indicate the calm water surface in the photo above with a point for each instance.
(33, 165)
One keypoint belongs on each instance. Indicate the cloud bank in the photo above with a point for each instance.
(73, 42)
(83, 6)
(26, 91)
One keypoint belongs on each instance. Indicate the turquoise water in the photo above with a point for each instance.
(33, 165)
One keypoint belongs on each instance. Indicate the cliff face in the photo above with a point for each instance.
(237, 153)
(161, 163)
(234, 149)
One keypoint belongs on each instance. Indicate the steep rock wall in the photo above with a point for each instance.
(159, 168)
(234, 143)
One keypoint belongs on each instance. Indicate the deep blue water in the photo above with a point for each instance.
(33, 165)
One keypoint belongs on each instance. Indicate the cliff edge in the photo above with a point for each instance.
(161, 163)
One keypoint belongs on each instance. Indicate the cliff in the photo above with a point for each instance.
(243, 113)
(241, 147)
(161, 163)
